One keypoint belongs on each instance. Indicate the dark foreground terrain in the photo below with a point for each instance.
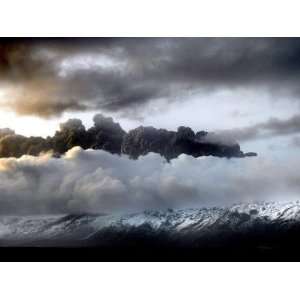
(262, 232)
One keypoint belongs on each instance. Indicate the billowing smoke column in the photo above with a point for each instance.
(109, 136)
(170, 144)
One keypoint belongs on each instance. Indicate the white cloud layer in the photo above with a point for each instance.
(97, 181)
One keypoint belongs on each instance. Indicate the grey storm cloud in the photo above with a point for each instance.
(101, 182)
(49, 76)
(271, 128)
(295, 142)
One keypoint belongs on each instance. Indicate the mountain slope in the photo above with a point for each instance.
(206, 227)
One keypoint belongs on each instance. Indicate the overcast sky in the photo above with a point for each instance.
(245, 88)
(206, 83)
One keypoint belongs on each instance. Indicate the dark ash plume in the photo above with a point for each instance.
(6, 131)
(106, 134)
(171, 144)
(109, 136)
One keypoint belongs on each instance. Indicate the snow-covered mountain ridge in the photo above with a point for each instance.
(176, 223)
